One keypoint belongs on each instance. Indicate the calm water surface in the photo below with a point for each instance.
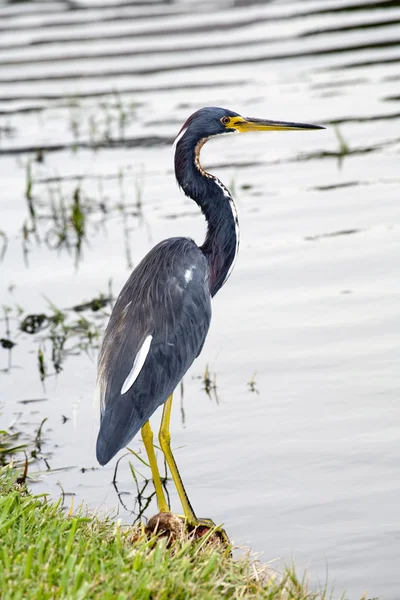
(302, 463)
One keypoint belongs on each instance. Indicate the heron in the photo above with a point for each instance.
(161, 317)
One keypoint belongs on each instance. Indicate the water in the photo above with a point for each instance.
(302, 463)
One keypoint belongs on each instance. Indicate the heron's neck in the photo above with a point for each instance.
(222, 240)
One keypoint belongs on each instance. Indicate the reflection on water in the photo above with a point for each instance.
(138, 499)
(286, 429)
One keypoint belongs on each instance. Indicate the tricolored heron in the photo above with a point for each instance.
(161, 317)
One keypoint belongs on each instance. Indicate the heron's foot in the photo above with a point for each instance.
(173, 527)
(203, 526)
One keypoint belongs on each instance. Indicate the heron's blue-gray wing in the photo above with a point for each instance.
(156, 330)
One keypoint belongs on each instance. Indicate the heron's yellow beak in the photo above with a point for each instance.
(243, 124)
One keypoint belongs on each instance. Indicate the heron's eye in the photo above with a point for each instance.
(225, 120)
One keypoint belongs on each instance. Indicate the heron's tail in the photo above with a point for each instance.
(120, 422)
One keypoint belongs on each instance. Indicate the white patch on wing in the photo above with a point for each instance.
(137, 365)
(189, 274)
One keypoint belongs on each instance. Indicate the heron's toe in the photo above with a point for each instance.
(203, 526)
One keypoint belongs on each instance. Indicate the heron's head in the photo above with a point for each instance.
(204, 124)
(212, 120)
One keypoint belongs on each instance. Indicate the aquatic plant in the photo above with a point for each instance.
(58, 332)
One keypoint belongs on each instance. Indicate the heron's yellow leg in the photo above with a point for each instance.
(147, 437)
(165, 442)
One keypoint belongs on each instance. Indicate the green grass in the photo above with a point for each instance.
(47, 554)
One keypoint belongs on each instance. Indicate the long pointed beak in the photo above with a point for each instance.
(244, 124)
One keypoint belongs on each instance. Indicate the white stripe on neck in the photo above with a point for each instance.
(236, 220)
(179, 136)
